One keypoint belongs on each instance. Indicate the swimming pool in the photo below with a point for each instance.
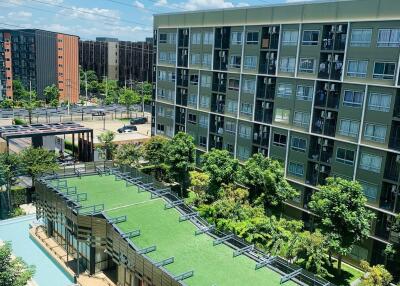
(47, 272)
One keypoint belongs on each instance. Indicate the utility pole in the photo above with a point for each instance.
(68, 85)
(142, 98)
(86, 88)
(30, 91)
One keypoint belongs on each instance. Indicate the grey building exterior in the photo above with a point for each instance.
(124, 61)
(313, 85)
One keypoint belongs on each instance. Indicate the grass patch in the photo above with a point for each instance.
(349, 274)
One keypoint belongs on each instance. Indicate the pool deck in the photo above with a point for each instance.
(59, 255)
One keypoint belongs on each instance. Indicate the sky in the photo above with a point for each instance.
(129, 20)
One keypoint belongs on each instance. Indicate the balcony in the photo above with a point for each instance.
(394, 139)
(264, 111)
(180, 116)
(222, 37)
(392, 167)
(216, 142)
(334, 37)
(324, 122)
(261, 135)
(317, 174)
(382, 225)
(266, 88)
(268, 63)
(389, 199)
(270, 37)
(218, 107)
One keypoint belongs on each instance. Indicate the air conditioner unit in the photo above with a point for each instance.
(218, 139)
(319, 141)
(270, 30)
(316, 167)
(273, 30)
(398, 159)
(223, 54)
(333, 87)
(268, 105)
(323, 114)
(336, 58)
(220, 97)
(185, 52)
(325, 142)
(394, 189)
(222, 76)
(324, 149)
(255, 135)
(264, 128)
(329, 57)
(185, 32)
(326, 86)
(340, 28)
(218, 119)
(182, 110)
(270, 81)
(322, 168)
(333, 29)
(329, 116)
(272, 56)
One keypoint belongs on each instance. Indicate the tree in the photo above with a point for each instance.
(375, 275)
(29, 102)
(38, 161)
(311, 250)
(221, 168)
(199, 182)
(107, 146)
(19, 91)
(128, 98)
(7, 103)
(128, 154)
(155, 153)
(265, 178)
(10, 168)
(340, 209)
(51, 94)
(180, 159)
(13, 271)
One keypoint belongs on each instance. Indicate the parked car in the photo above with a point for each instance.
(98, 112)
(138, 120)
(127, 129)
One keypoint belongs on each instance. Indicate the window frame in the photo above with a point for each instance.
(352, 104)
(345, 160)
(252, 41)
(297, 148)
(384, 76)
(360, 44)
(310, 42)
(311, 71)
(357, 74)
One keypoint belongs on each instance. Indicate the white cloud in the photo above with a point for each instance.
(20, 14)
(138, 4)
(207, 4)
(161, 3)
(91, 13)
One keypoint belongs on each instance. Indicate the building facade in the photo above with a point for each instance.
(38, 59)
(313, 85)
(124, 61)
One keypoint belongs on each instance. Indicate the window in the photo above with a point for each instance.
(192, 118)
(246, 108)
(252, 38)
(370, 162)
(171, 57)
(249, 86)
(250, 62)
(160, 128)
(304, 92)
(196, 38)
(379, 102)
(349, 127)
(195, 59)
(230, 148)
(233, 84)
(231, 106)
(235, 61)
(206, 60)
(388, 38)
(236, 38)
(192, 99)
(244, 131)
(162, 75)
(162, 57)
(296, 169)
(206, 81)
(172, 38)
(375, 132)
(203, 141)
(204, 101)
(163, 38)
(299, 144)
(203, 121)
(310, 38)
(307, 65)
(301, 119)
(287, 64)
(384, 70)
(279, 140)
(345, 156)
(284, 90)
(160, 111)
(357, 68)
(290, 38)
(353, 98)
(208, 38)
(361, 37)
(243, 153)
(282, 115)
(230, 127)
(370, 190)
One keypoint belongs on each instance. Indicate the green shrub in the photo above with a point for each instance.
(17, 212)
(18, 196)
(19, 121)
(68, 146)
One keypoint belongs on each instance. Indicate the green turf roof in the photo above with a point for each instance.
(212, 265)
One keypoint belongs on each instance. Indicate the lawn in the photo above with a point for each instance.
(349, 274)
(212, 265)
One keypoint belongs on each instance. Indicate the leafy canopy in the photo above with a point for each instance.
(107, 147)
(375, 275)
(265, 178)
(51, 94)
(128, 154)
(37, 161)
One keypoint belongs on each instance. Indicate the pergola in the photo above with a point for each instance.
(36, 132)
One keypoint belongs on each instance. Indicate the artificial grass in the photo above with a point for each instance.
(212, 265)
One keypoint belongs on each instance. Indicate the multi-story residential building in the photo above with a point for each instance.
(123, 61)
(38, 59)
(313, 85)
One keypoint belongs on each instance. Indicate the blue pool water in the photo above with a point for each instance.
(47, 272)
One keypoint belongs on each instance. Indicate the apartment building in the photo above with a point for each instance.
(124, 61)
(313, 85)
(38, 59)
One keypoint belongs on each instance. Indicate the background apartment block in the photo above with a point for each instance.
(313, 85)
(38, 59)
(123, 61)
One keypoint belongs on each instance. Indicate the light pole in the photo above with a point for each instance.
(86, 88)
